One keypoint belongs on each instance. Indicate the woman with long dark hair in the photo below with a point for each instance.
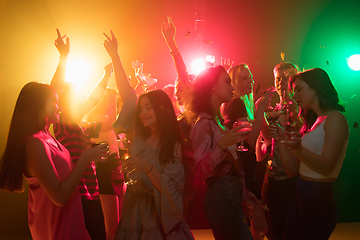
(215, 155)
(153, 207)
(320, 150)
(32, 152)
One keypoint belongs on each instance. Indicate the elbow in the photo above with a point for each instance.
(326, 172)
(291, 174)
(60, 201)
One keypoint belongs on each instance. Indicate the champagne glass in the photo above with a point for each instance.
(273, 116)
(247, 128)
(130, 181)
(124, 156)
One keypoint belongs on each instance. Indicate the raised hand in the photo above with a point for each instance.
(226, 63)
(62, 47)
(108, 69)
(168, 30)
(263, 102)
(111, 44)
(138, 67)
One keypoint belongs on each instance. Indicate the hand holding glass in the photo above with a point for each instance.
(124, 162)
(246, 127)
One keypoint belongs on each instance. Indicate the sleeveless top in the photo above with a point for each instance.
(314, 142)
(46, 219)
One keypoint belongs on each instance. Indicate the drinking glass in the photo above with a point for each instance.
(247, 128)
(130, 181)
(272, 117)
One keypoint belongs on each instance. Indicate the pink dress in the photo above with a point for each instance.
(47, 220)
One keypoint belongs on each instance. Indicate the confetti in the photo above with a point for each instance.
(187, 34)
(207, 41)
(282, 55)
(353, 96)
(356, 126)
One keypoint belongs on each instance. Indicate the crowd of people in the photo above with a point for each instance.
(129, 163)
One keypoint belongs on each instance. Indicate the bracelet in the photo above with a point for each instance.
(152, 165)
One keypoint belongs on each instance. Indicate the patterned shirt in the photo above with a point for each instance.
(76, 139)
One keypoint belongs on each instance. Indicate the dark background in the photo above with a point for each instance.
(321, 33)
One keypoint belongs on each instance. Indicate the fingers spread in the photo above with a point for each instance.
(107, 37)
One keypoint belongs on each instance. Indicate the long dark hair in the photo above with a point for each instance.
(201, 89)
(167, 125)
(28, 118)
(319, 80)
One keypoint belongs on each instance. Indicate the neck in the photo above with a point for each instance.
(215, 105)
(154, 134)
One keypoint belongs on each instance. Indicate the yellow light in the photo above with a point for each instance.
(78, 72)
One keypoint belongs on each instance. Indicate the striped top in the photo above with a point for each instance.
(76, 139)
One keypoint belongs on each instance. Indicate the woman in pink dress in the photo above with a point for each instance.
(54, 206)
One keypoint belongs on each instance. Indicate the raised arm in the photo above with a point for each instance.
(58, 79)
(138, 68)
(122, 81)
(258, 125)
(168, 31)
(96, 94)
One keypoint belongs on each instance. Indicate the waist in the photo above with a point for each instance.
(317, 179)
(231, 173)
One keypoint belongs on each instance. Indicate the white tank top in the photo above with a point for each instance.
(314, 142)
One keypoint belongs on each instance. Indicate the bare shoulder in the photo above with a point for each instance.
(35, 139)
(337, 121)
(337, 117)
(35, 142)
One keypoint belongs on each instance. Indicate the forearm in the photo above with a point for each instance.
(171, 43)
(70, 184)
(98, 91)
(265, 131)
(180, 66)
(155, 177)
(94, 98)
(315, 162)
(256, 127)
(122, 82)
(58, 79)
(289, 161)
